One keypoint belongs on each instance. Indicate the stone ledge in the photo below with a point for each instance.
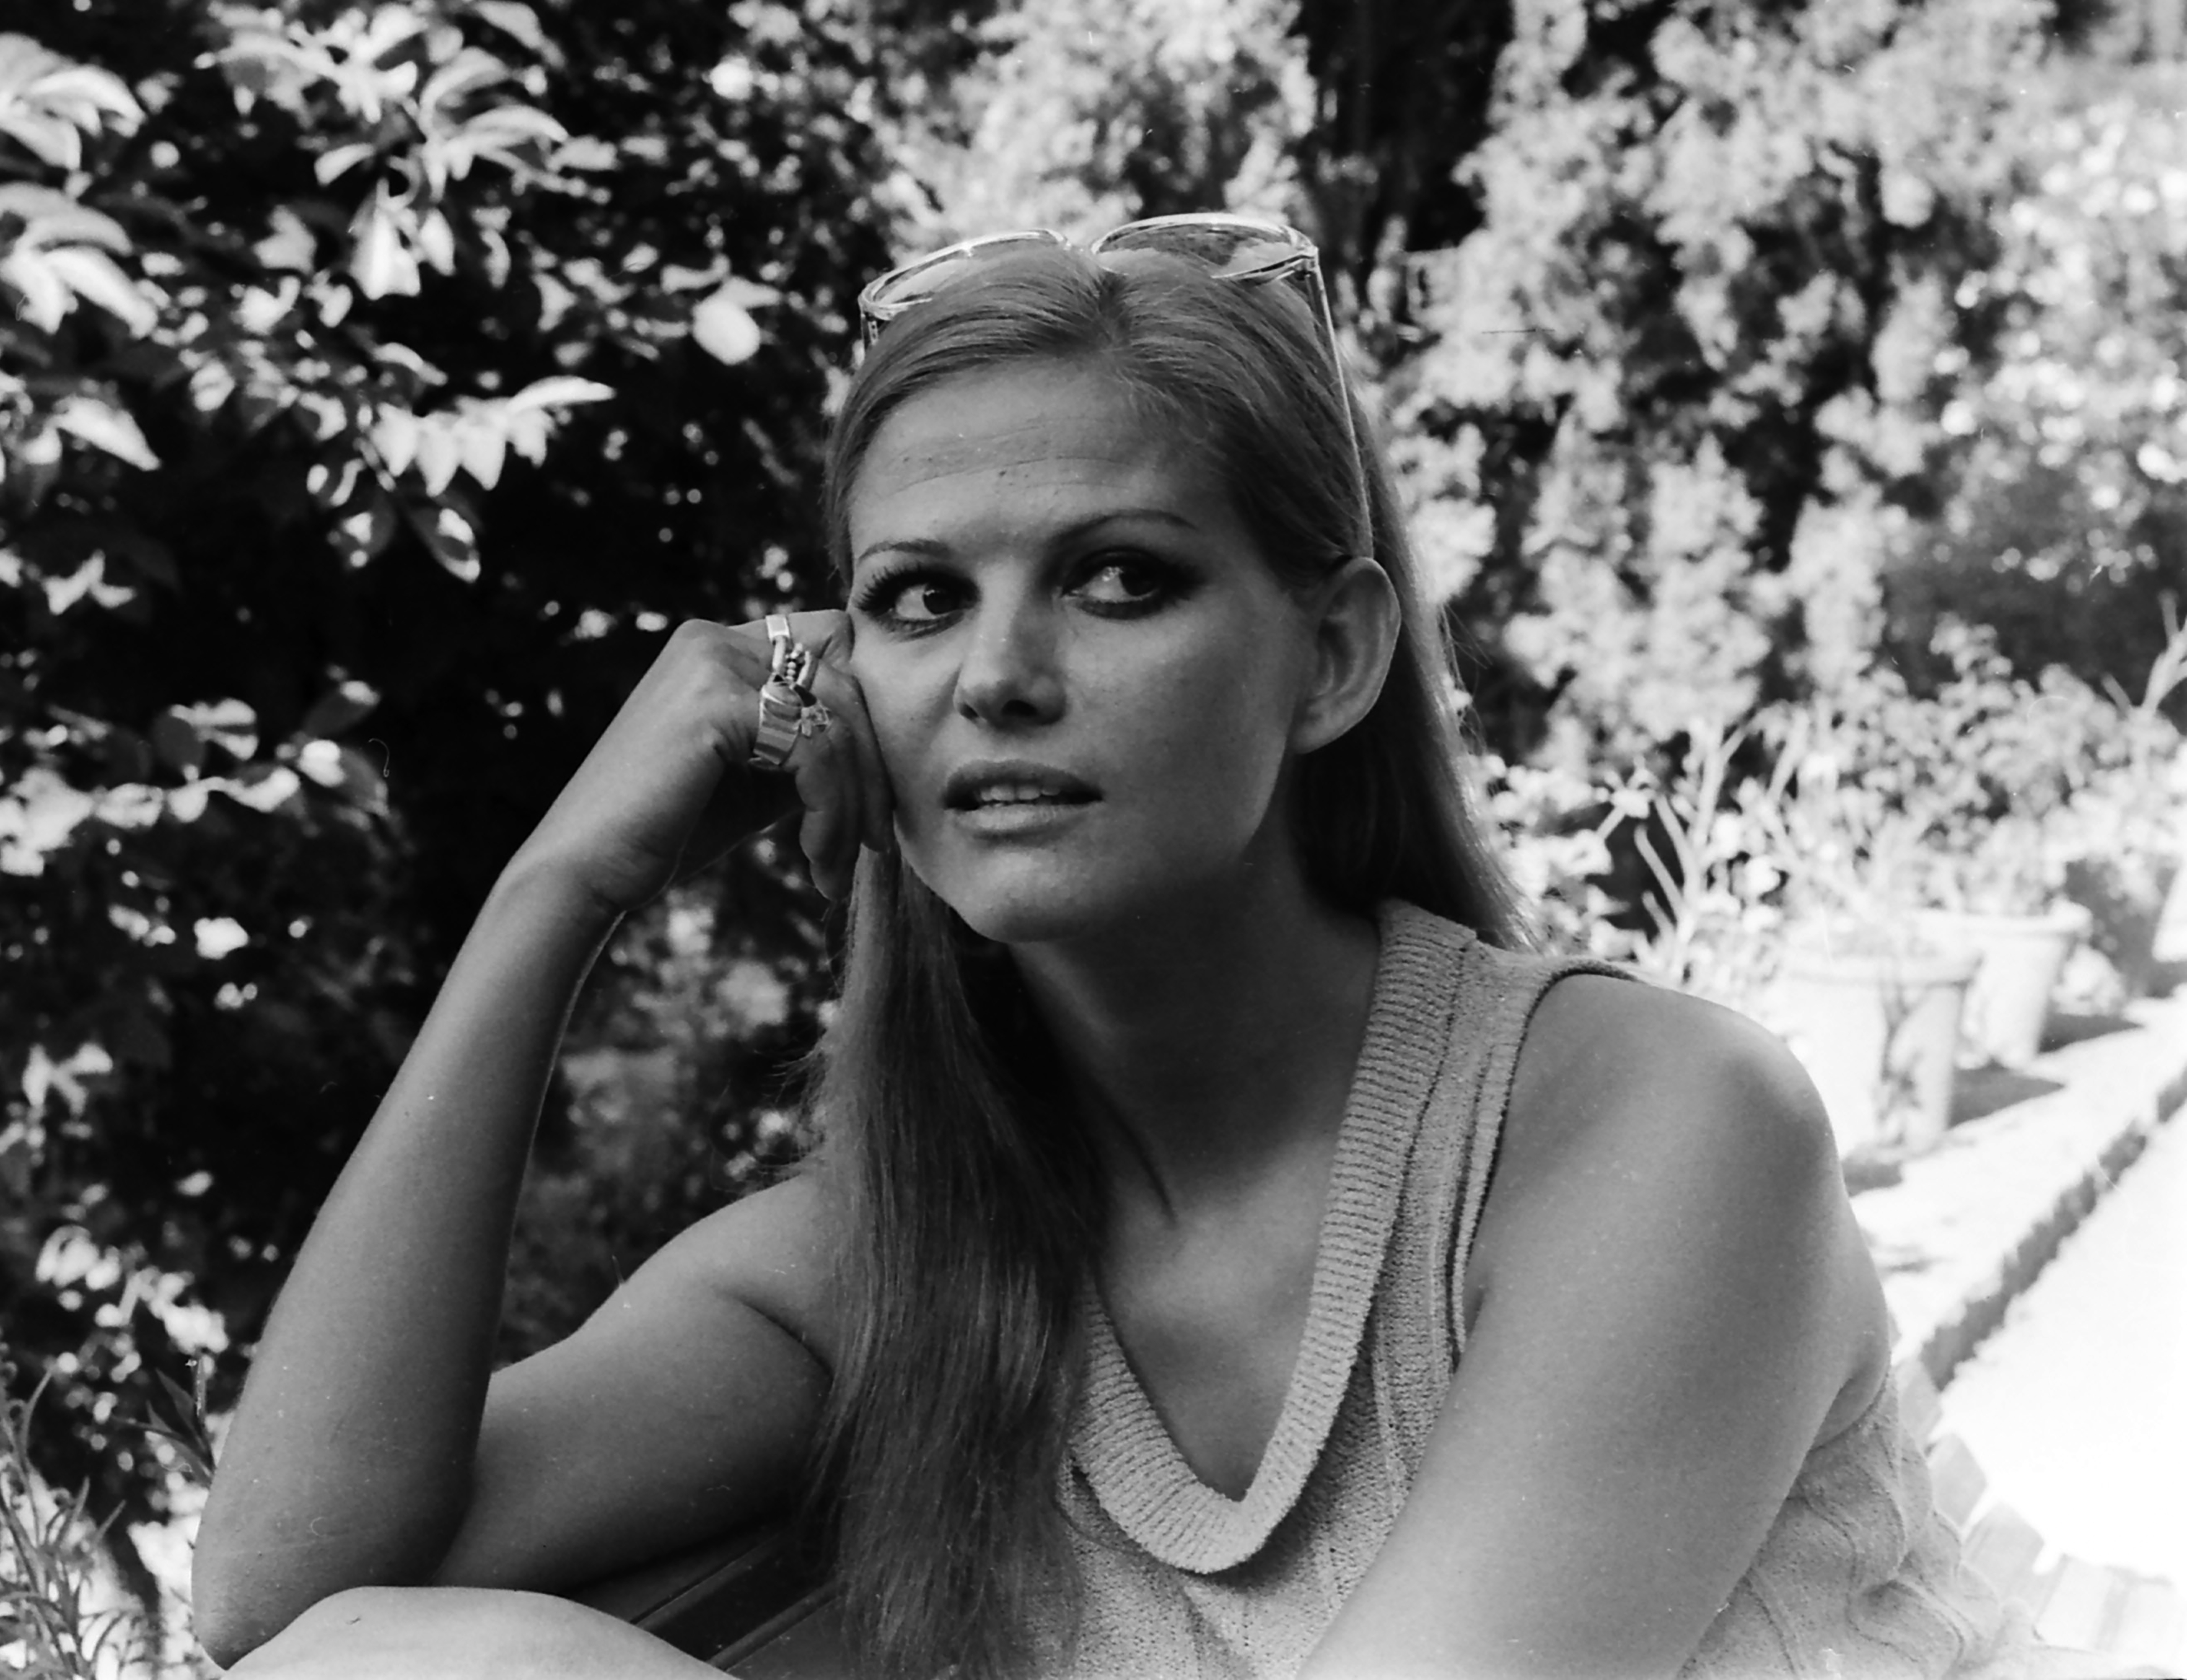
(1966, 1227)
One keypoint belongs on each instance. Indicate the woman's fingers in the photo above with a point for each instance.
(877, 799)
(838, 771)
(859, 756)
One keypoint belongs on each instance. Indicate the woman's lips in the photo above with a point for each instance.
(1015, 799)
(1021, 820)
(998, 783)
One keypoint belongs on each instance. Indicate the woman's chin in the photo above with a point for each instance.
(1029, 901)
(1030, 918)
(1077, 906)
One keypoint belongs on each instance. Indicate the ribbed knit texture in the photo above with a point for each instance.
(1858, 1576)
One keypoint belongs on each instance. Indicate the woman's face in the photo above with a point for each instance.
(1083, 676)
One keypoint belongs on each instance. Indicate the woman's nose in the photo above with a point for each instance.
(1009, 675)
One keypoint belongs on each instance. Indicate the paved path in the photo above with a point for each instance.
(2076, 1405)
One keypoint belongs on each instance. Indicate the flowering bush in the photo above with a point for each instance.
(1554, 826)
(1705, 921)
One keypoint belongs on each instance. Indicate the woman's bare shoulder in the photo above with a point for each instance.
(1634, 1102)
(1612, 1065)
(1643, 1111)
(772, 1251)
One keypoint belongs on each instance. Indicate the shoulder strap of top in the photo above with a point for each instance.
(1498, 993)
(1118, 1442)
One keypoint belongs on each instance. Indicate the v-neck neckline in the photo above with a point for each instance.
(1119, 1442)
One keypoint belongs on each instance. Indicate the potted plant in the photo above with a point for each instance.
(1706, 836)
(1864, 997)
(2126, 820)
(2001, 761)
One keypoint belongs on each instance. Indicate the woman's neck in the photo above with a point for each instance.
(1209, 1045)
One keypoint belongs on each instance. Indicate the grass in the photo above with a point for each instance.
(61, 1615)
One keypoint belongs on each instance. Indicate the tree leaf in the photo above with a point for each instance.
(360, 780)
(448, 537)
(724, 328)
(383, 264)
(527, 430)
(331, 165)
(100, 424)
(440, 453)
(435, 242)
(230, 724)
(92, 274)
(22, 62)
(52, 138)
(84, 87)
(179, 746)
(341, 707)
(261, 787)
(210, 385)
(289, 246)
(562, 389)
(469, 70)
(482, 446)
(507, 126)
(53, 218)
(395, 434)
(360, 536)
(46, 297)
(513, 18)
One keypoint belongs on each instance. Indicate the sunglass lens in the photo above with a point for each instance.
(919, 281)
(1226, 249)
(916, 282)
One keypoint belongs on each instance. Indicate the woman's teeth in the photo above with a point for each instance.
(1017, 794)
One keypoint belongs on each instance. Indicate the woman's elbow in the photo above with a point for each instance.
(246, 1585)
(226, 1621)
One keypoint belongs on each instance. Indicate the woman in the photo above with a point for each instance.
(1191, 1106)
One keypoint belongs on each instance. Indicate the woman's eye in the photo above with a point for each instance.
(1126, 581)
(912, 600)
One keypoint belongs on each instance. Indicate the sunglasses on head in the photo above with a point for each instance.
(1229, 247)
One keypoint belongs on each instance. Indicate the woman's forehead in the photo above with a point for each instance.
(1043, 432)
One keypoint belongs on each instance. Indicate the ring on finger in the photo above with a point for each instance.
(787, 712)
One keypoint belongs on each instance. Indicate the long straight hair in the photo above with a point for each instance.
(970, 1204)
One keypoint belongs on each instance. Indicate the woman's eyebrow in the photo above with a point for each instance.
(934, 549)
(931, 547)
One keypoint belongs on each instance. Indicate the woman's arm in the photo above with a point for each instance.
(352, 1459)
(1674, 1301)
(349, 1460)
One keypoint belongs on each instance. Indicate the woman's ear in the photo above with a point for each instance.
(1355, 623)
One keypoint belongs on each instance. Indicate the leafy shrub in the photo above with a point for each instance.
(298, 631)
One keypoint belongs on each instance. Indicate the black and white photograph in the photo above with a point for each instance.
(1093, 839)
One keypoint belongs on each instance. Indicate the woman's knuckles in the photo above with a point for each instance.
(670, 785)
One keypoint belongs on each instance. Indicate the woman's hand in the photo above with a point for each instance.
(460, 1634)
(671, 785)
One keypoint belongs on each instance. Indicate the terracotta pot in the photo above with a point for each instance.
(2018, 960)
(1879, 1035)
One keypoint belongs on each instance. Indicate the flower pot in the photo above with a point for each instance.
(1879, 1035)
(2018, 959)
(2125, 897)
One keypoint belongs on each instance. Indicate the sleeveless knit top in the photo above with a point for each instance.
(1858, 1576)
